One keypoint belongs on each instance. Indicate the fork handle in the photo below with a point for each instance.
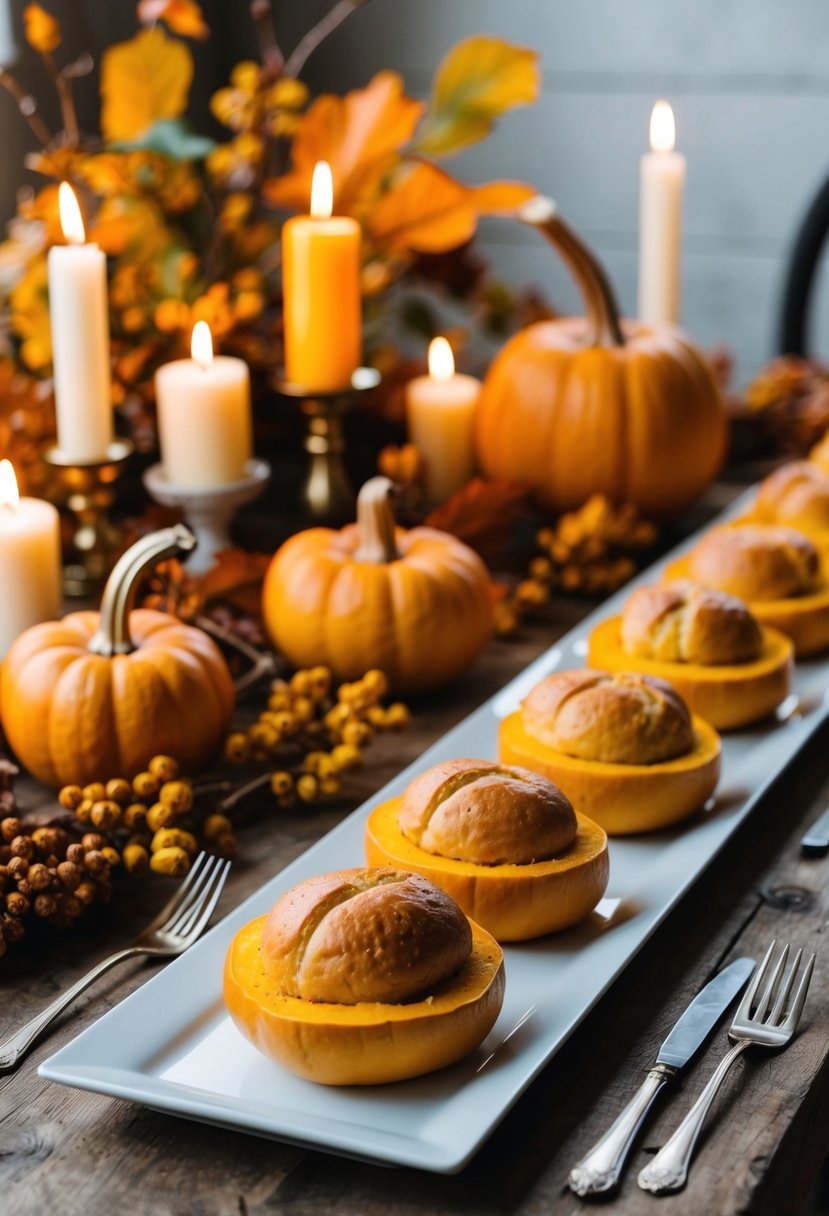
(599, 1170)
(668, 1171)
(13, 1050)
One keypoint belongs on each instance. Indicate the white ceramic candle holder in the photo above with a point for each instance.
(210, 510)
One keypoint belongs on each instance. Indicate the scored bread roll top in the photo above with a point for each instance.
(617, 719)
(364, 935)
(796, 494)
(489, 814)
(681, 622)
(756, 562)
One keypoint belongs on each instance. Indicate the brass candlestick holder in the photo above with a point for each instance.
(327, 493)
(87, 489)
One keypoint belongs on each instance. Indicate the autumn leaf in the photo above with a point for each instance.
(482, 514)
(428, 211)
(478, 81)
(360, 135)
(181, 16)
(42, 30)
(143, 80)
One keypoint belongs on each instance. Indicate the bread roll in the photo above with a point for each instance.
(681, 622)
(819, 454)
(364, 935)
(796, 494)
(490, 814)
(756, 562)
(618, 719)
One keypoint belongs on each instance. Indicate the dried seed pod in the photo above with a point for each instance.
(171, 861)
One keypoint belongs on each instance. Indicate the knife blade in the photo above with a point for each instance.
(600, 1169)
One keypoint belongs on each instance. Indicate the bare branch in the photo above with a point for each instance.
(306, 46)
(270, 51)
(63, 85)
(27, 105)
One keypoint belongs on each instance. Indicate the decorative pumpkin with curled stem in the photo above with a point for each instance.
(104, 692)
(415, 604)
(595, 405)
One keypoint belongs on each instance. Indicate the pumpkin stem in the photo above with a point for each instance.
(376, 523)
(599, 298)
(113, 633)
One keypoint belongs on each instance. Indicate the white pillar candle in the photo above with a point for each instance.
(79, 316)
(661, 183)
(30, 564)
(440, 410)
(204, 416)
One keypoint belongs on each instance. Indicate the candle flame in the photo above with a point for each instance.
(9, 493)
(441, 360)
(322, 191)
(663, 127)
(201, 344)
(71, 221)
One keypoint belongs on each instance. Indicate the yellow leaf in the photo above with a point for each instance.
(480, 79)
(42, 30)
(181, 16)
(360, 135)
(143, 80)
(427, 211)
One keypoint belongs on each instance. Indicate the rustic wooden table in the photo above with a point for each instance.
(67, 1152)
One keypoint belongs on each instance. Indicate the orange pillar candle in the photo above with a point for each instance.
(321, 292)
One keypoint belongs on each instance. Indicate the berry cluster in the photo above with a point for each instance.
(309, 738)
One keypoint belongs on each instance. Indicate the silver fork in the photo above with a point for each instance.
(767, 1026)
(176, 927)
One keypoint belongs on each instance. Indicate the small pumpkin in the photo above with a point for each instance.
(102, 692)
(414, 603)
(586, 405)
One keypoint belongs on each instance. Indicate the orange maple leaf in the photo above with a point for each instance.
(360, 135)
(427, 211)
(181, 16)
(482, 514)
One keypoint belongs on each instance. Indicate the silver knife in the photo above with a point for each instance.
(599, 1170)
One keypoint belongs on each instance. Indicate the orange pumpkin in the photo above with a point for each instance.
(415, 604)
(99, 694)
(592, 404)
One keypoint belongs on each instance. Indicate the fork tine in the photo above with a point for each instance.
(186, 918)
(207, 911)
(799, 998)
(744, 1008)
(785, 988)
(194, 896)
(174, 903)
(768, 991)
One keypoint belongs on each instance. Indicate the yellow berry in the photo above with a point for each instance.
(307, 787)
(398, 716)
(118, 790)
(376, 716)
(136, 859)
(286, 723)
(178, 795)
(168, 838)
(279, 701)
(83, 809)
(357, 734)
(376, 681)
(281, 784)
(96, 791)
(164, 767)
(311, 763)
(320, 682)
(145, 786)
(70, 797)
(330, 786)
(172, 861)
(217, 825)
(135, 815)
(160, 815)
(303, 708)
(105, 815)
(112, 855)
(263, 737)
(301, 683)
(345, 757)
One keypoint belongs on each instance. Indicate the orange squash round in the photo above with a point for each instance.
(589, 405)
(414, 603)
(98, 694)
(512, 902)
(372, 1042)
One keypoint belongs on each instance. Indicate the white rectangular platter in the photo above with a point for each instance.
(171, 1046)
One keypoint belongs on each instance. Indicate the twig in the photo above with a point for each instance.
(230, 801)
(273, 61)
(63, 85)
(27, 105)
(264, 663)
(318, 33)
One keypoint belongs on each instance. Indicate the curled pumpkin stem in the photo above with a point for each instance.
(376, 523)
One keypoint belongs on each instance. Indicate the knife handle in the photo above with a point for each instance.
(599, 1169)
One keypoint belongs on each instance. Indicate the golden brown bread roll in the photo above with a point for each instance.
(364, 935)
(796, 494)
(681, 622)
(490, 814)
(756, 562)
(819, 454)
(617, 719)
